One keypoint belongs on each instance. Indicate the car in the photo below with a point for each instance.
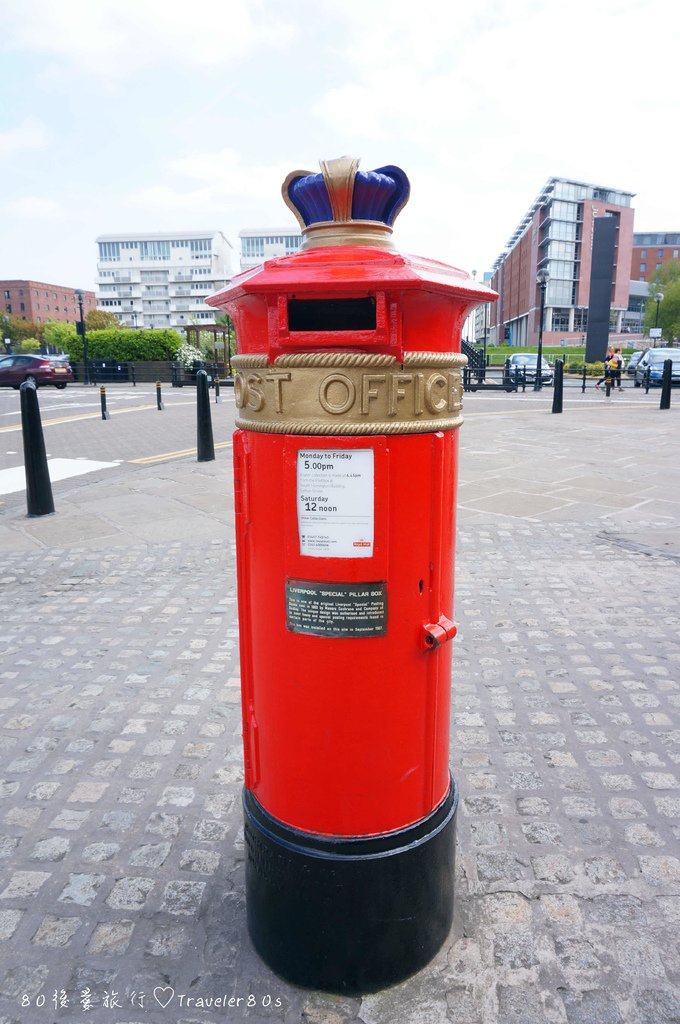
(653, 360)
(632, 363)
(522, 363)
(42, 370)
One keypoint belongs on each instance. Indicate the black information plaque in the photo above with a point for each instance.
(336, 609)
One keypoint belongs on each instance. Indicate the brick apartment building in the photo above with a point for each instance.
(651, 249)
(556, 233)
(35, 300)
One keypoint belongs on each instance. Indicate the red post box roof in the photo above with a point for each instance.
(350, 268)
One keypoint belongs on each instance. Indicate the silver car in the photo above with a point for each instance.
(525, 362)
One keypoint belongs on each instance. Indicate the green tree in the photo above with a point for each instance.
(667, 282)
(19, 329)
(100, 319)
(28, 346)
(59, 335)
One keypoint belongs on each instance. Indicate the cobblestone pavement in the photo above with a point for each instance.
(121, 846)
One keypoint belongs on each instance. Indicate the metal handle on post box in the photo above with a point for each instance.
(437, 633)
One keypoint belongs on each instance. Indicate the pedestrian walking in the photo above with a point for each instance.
(609, 365)
(617, 372)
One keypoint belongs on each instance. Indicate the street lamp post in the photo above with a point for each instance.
(542, 278)
(80, 327)
(659, 299)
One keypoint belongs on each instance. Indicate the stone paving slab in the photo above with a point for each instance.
(121, 843)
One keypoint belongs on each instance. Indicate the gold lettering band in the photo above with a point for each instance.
(349, 393)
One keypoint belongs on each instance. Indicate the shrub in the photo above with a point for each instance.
(592, 369)
(28, 346)
(187, 355)
(121, 344)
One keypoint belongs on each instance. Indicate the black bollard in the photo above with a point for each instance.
(666, 383)
(159, 400)
(218, 400)
(647, 374)
(206, 448)
(132, 371)
(39, 500)
(583, 382)
(102, 395)
(558, 386)
(608, 387)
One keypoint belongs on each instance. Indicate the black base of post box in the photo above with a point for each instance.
(349, 915)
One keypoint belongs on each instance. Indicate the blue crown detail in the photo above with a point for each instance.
(342, 194)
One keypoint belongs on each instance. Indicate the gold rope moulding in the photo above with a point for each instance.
(335, 359)
(413, 359)
(247, 362)
(323, 427)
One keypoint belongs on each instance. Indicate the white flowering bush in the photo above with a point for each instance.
(187, 355)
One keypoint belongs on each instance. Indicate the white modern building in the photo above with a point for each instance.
(259, 244)
(161, 280)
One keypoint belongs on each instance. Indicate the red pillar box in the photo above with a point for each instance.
(348, 389)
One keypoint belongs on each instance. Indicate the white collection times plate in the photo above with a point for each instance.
(335, 489)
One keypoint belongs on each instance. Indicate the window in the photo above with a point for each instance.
(562, 230)
(253, 247)
(643, 268)
(580, 319)
(8, 295)
(560, 319)
(675, 254)
(154, 250)
(8, 307)
(643, 254)
(658, 266)
(564, 211)
(561, 270)
(559, 293)
(109, 251)
(22, 307)
(200, 246)
(659, 254)
(561, 250)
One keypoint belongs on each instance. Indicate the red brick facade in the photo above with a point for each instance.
(647, 259)
(35, 300)
(539, 242)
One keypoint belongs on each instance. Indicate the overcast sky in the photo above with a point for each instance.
(156, 115)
